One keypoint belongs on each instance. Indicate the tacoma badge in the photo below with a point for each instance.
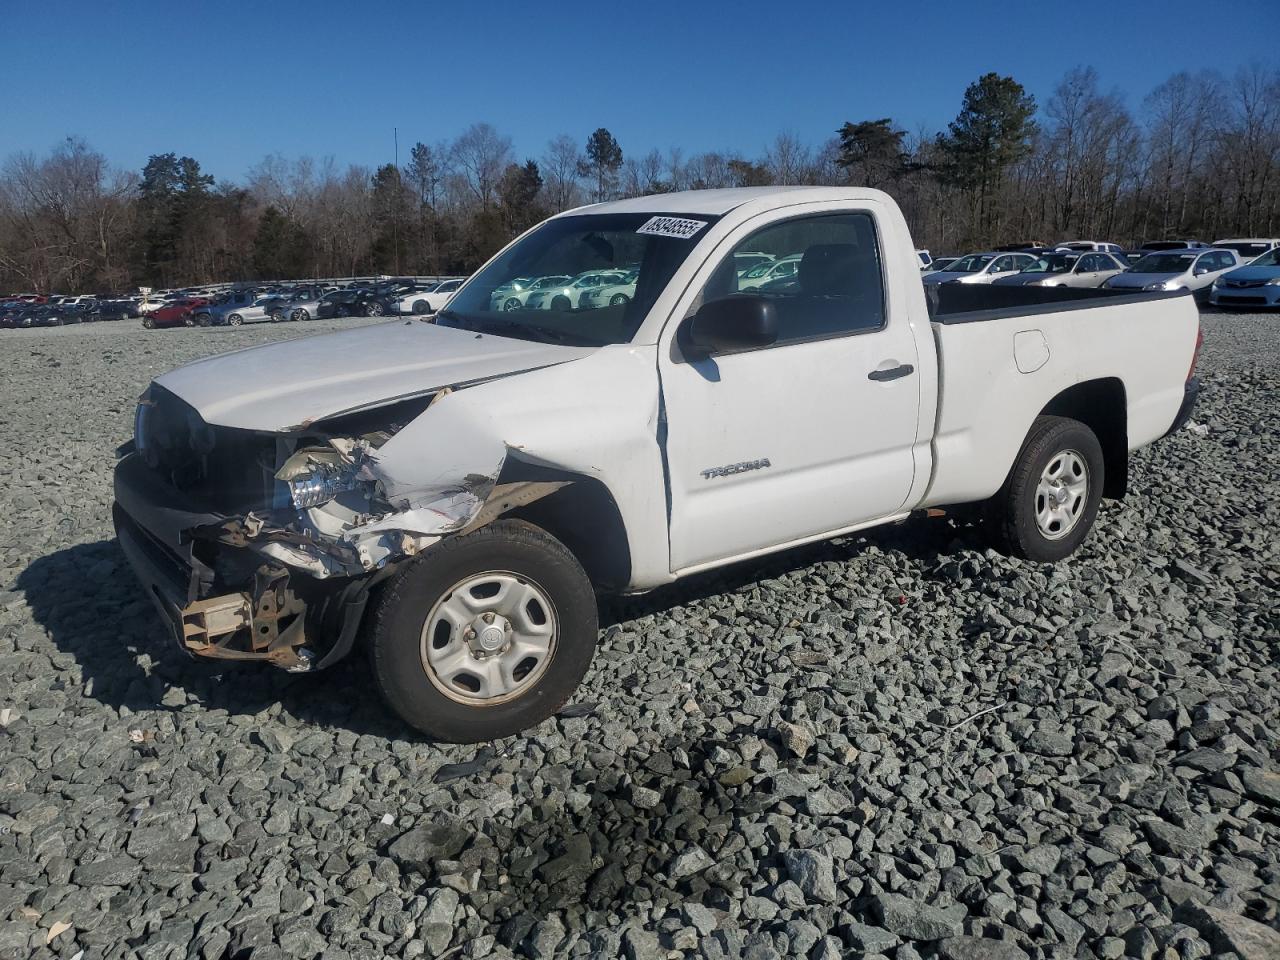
(730, 469)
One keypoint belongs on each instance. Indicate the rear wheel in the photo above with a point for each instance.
(485, 635)
(618, 299)
(1051, 497)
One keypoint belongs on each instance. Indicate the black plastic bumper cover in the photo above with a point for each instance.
(151, 518)
(1190, 394)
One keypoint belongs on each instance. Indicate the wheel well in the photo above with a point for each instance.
(583, 516)
(1101, 406)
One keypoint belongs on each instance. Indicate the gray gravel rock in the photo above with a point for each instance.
(898, 744)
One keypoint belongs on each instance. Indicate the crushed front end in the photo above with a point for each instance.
(264, 546)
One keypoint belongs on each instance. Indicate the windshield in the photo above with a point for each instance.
(604, 272)
(970, 264)
(1164, 263)
(1269, 259)
(1053, 263)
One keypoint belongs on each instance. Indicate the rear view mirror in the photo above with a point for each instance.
(737, 322)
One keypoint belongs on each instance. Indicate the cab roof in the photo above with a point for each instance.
(717, 203)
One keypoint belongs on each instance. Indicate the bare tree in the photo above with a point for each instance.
(481, 155)
(559, 168)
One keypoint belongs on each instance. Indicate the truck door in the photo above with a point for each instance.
(810, 435)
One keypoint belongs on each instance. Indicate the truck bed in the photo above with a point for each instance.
(1007, 354)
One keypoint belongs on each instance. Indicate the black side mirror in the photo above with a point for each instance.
(736, 322)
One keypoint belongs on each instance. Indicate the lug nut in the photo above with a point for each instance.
(487, 618)
(470, 634)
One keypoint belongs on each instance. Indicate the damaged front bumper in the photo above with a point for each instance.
(223, 601)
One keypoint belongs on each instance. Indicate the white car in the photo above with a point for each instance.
(1066, 269)
(1094, 246)
(926, 259)
(615, 294)
(1249, 248)
(515, 297)
(567, 296)
(981, 268)
(381, 464)
(1193, 269)
(430, 301)
(780, 270)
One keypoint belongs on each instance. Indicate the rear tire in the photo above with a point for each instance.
(1050, 499)
(410, 634)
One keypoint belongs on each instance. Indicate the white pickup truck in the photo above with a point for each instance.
(458, 491)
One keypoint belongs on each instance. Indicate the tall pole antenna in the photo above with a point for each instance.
(395, 225)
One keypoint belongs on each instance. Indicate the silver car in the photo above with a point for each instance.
(981, 268)
(1066, 270)
(1193, 270)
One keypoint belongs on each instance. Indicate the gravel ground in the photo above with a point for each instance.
(893, 745)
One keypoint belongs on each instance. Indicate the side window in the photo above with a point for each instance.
(834, 286)
(1004, 264)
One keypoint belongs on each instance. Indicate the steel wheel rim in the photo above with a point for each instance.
(1062, 494)
(489, 639)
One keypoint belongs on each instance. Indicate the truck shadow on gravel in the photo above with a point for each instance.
(88, 601)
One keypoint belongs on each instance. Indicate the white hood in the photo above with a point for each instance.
(280, 387)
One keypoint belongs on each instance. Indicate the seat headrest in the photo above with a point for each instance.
(829, 270)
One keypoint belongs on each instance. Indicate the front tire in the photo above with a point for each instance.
(375, 309)
(235, 320)
(486, 634)
(1051, 496)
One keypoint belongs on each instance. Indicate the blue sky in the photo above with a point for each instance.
(230, 82)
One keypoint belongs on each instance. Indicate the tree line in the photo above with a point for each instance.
(1199, 157)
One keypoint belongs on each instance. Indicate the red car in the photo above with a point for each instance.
(176, 314)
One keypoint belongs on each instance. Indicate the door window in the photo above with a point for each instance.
(834, 285)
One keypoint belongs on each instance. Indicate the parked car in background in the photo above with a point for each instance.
(436, 299)
(179, 313)
(1095, 246)
(980, 268)
(113, 308)
(240, 306)
(780, 269)
(1023, 247)
(1188, 269)
(616, 294)
(1066, 270)
(568, 296)
(941, 263)
(1256, 284)
(926, 260)
(511, 299)
(745, 260)
(1154, 246)
(1248, 247)
(338, 303)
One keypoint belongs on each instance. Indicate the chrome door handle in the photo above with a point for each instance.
(893, 373)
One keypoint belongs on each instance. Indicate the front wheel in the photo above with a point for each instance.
(485, 635)
(301, 314)
(235, 320)
(148, 323)
(1051, 496)
(375, 309)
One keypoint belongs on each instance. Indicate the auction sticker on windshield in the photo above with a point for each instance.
(672, 227)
